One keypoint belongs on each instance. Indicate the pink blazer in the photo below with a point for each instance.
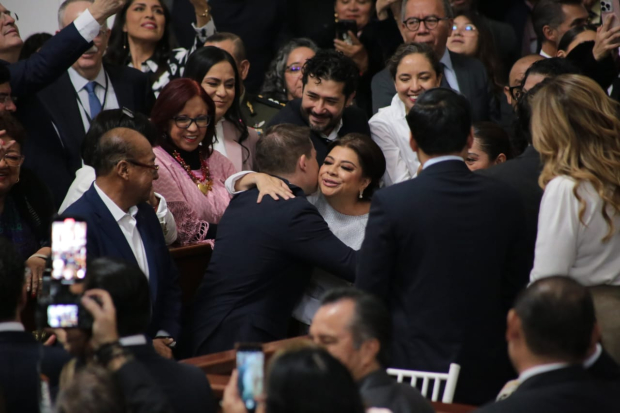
(241, 159)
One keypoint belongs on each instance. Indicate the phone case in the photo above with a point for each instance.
(611, 7)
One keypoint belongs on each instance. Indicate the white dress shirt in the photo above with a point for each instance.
(389, 130)
(11, 326)
(333, 135)
(545, 368)
(444, 158)
(135, 340)
(448, 71)
(84, 178)
(127, 223)
(87, 26)
(565, 246)
(219, 144)
(108, 100)
(545, 55)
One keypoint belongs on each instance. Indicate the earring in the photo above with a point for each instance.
(336, 17)
(125, 42)
(361, 193)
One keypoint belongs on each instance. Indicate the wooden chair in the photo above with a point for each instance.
(451, 378)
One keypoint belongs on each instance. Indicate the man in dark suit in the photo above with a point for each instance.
(549, 332)
(261, 266)
(329, 83)
(185, 386)
(73, 100)
(444, 251)
(22, 358)
(552, 18)
(122, 225)
(355, 327)
(461, 73)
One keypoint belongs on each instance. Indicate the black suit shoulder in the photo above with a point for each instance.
(354, 120)
(380, 390)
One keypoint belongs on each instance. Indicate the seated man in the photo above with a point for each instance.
(185, 386)
(356, 329)
(22, 359)
(266, 251)
(122, 225)
(550, 330)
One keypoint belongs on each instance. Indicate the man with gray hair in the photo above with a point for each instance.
(430, 22)
(355, 327)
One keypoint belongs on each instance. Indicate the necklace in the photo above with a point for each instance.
(206, 183)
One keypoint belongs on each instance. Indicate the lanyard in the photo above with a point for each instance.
(105, 98)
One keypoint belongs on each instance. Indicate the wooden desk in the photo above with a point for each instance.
(192, 262)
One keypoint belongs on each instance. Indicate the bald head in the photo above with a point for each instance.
(115, 145)
(517, 73)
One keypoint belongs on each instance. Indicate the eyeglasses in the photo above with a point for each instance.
(4, 15)
(468, 29)
(413, 24)
(516, 91)
(5, 99)
(184, 122)
(293, 68)
(12, 159)
(153, 168)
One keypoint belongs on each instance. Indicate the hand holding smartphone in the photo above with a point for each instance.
(250, 370)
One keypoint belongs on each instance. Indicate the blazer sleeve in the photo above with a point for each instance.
(382, 90)
(42, 68)
(171, 296)
(311, 240)
(396, 168)
(378, 254)
(519, 258)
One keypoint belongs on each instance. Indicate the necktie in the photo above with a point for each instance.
(93, 101)
(444, 81)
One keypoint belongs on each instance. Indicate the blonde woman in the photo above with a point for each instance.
(575, 128)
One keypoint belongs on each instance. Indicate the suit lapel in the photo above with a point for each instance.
(462, 74)
(148, 248)
(124, 92)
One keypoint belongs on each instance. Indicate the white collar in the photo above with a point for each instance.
(543, 54)
(11, 326)
(438, 159)
(79, 82)
(446, 60)
(399, 107)
(334, 133)
(594, 357)
(115, 210)
(544, 368)
(135, 340)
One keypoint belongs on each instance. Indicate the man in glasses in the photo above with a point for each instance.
(515, 79)
(430, 22)
(256, 110)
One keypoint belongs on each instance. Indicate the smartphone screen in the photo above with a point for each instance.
(68, 250)
(250, 367)
(62, 315)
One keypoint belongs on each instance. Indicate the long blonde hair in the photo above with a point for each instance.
(575, 128)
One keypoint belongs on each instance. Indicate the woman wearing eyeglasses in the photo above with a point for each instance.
(191, 172)
(216, 71)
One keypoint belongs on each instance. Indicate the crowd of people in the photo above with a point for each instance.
(405, 183)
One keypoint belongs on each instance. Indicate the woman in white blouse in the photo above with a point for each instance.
(414, 69)
(575, 127)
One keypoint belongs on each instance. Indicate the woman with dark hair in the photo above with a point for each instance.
(142, 37)
(216, 71)
(491, 146)
(283, 79)
(414, 69)
(191, 172)
(574, 37)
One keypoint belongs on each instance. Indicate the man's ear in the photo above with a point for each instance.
(122, 169)
(501, 158)
(413, 143)
(303, 163)
(245, 69)
(349, 101)
(470, 138)
(513, 326)
(508, 95)
(550, 34)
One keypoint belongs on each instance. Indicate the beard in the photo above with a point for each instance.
(330, 121)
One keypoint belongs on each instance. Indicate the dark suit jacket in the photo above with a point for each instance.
(140, 391)
(354, 120)
(259, 270)
(522, 174)
(55, 57)
(20, 357)
(380, 390)
(105, 239)
(605, 368)
(567, 390)
(56, 159)
(473, 82)
(444, 251)
(186, 387)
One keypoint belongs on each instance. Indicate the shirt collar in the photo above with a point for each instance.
(446, 60)
(543, 54)
(438, 159)
(11, 326)
(115, 210)
(135, 340)
(594, 357)
(401, 110)
(544, 368)
(79, 82)
(334, 133)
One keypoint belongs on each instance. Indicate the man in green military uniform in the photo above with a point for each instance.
(256, 110)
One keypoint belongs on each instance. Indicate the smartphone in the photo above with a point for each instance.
(342, 30)
(62, 315)
(68, 250)
(250, 367)
(610, 7)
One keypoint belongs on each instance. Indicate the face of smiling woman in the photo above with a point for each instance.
(414, 75)
(189, 139)
(341, 175)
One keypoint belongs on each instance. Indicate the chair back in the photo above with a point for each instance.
(451, 377)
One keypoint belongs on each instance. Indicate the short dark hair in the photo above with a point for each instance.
(11, 279)
(493, 139)
(332, 65)
(32, 44)
(310, 380)
(572, 34)
(557, 316)
(371, 319)
(5, 74)
(92, 390)
(112, 148)
(407, 49)
(129, 289)
(549, 13)
(552, 67)
(13, 128)
(440, 121)
(218, 37)
(115, 118)
(447, 8)
(279, 149)
(371, 158)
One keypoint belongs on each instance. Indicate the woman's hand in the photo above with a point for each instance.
(606, 39)
(355, 51)
(232, 402)
(99, 304)
(272, 186)
(203, 12)
(36, 265)
(383, 6)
